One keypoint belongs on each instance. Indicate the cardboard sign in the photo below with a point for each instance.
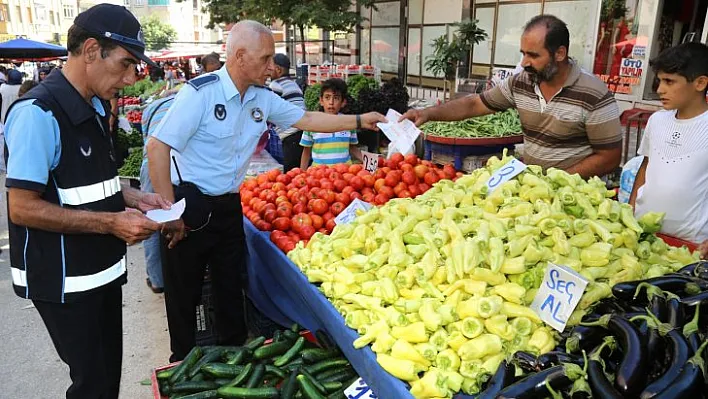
(349, 213)
(504, 174)
(370, 161)
(558, 295)
(631, 68)
(359, 390)
(402, 134)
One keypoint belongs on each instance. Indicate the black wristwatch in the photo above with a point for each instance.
(358, 121)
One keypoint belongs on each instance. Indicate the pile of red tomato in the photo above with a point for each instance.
(128, 101)
(295, 205)
(134, 116)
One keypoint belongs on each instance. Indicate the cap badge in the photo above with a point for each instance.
(257, 114)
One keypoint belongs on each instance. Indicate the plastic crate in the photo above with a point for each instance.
(275, 145)
(677, 242)
(455, 154)
(205, 332)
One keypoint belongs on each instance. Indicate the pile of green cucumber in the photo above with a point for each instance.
(288, 366)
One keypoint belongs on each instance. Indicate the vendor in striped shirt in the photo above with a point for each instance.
(569, 118)
(330, 148)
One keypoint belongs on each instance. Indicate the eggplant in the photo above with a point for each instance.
(691, 330)
(503, 377)
(555, 358)
(689, 383)
(534, 386)
(677, 284)
(608, 305)
(675, 313)
(701, 270)
(696, 299)
(599, 384)
(525, 361)
(679, 355)
(689, 270)
(632, 373)
(584, 337)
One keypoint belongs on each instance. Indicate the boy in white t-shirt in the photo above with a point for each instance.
(673, 177)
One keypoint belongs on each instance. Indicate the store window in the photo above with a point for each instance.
(384, 48)
(576, 14)
(414, 47)
(430, 33)
(482, 52)
(4, 14)
(510, 26)
(68, 11)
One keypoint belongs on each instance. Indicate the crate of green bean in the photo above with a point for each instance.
(501, 124)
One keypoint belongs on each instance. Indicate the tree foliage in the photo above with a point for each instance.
(158, 35)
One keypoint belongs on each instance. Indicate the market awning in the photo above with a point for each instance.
(30, 50)
(185, 53)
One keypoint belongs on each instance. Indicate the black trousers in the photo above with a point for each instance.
(292, 151)
(221, 244)
(88, 336)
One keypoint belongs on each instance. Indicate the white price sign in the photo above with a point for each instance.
(504, 174)
(370, 161)
(349, 213)
(558, 295)
(359, 390)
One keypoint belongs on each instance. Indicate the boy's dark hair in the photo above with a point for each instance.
(335, 85)
(557, 34)
(77, 36)
(26, 86)
(689, 60)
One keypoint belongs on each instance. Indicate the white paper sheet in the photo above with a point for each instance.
(164, 216)
(402, 134)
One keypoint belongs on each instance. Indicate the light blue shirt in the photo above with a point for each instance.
(213, 132)
(34, 143)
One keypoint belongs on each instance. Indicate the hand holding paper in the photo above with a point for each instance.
(164, 216)
(402, 134)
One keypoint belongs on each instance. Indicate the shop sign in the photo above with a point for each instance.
(370, 161)
(631, 68)
(558, 295)
(639, 52)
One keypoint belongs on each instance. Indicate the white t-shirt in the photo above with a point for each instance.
(677, 175)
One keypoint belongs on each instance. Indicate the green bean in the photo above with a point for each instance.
(501, 124)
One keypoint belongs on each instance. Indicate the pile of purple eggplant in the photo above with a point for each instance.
(649, 341)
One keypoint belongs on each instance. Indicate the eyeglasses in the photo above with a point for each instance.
(125, 39)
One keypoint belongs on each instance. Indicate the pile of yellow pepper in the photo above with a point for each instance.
(440, 284)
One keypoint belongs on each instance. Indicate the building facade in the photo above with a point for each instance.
(42, 20)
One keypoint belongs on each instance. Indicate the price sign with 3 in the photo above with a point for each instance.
(504, 174)
(370, 160)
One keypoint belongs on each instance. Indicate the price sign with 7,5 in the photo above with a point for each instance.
(370, 161)
(504, 174)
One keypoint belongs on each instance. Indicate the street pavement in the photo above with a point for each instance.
(29, 365)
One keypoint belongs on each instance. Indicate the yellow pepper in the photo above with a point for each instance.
(414, 332)
(487, 276)
(448, 360)
(499, 326)
(439, 340)
(491, 363)
(541, 341)
(430, 317)
(471, 368)
(453, 300)
(512, 310)
(430, 386)
(515, 265)
(413, 293)
(456, 340)
(453, 379)
(489, 306)
(402, 349)
(512, 292)
(383, 344)
(427, 350)
(371, 334)
(402, 369)
(468, 308)
(478, 348)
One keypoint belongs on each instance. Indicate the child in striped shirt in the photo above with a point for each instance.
(330, 148)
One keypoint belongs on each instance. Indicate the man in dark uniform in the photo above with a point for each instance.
(67, 214)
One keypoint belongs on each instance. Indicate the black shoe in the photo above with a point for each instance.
(156, 290)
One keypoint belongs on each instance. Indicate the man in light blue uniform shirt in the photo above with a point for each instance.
(212, 129)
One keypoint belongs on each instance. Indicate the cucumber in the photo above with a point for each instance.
(290, 335)
(290, 385)
(271, 382)
(324, 340)
(327, 364)
(277, 335)
(295, 328)
(332, 371)
(255, 343)
(342, 376)
(221, 370)
(165, 374)
(309, 391)
(337, 395)
(199, 377)
(208, 357)
(237, 357)
(291, 353)
(294, 364)
(332, 386)
(189, 361)
(256, 377)
(202, 395)
(247, 393)
(271, 350)
(276, 371)
(241, 377)
(193, 387)
(314, 355)
(314, 381)
(222, 381)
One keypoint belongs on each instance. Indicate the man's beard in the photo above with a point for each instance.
(544, 75)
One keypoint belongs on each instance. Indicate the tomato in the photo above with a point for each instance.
(317, 221)
(270, 215)
(423, 187)
(288, 246)
(275, 234)
(328, 195)
(363, 173)
(406, 167)
(273, 173)
(314, 193)
(368, 197)
(449, 171)
(396, 157)
(378, 184)
(300, 220)
(293, 236)
(278, 187)
(379, 174)
(337, 208)
(409, 178)
(299, 182)
(318, 206)
(294, 172)
(307, 231)
(299, 208)
(300, 198)
(264, 226)
(262, 194)
(355, 168)
(415, 191)
(348, 190)
(369, 180)
(341, 168)
(391, 164)
(357, 183)
(380, 199)
(367, 190)
(262, 179)
(285, 179)
(271, 196)
(420, 171)
(382, 162)
(312, 182)
(431, 178)
(347, 177)
(354, 195)
(392, 179)
(327, 216)
(411, 159)
(343, 198)
(250, 184)
(246, 196)
(339, 185)
(318, 174)
(282, 223)
(404, 194)
(400, 187)
(330, 225)
(327, 185)
(281, 199)
(285, 209)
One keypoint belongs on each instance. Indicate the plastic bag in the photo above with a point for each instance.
(629, 174)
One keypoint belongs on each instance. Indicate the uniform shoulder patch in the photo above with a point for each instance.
(203, 80)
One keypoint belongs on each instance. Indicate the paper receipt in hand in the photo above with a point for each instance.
(402, 134)
(164, 216)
